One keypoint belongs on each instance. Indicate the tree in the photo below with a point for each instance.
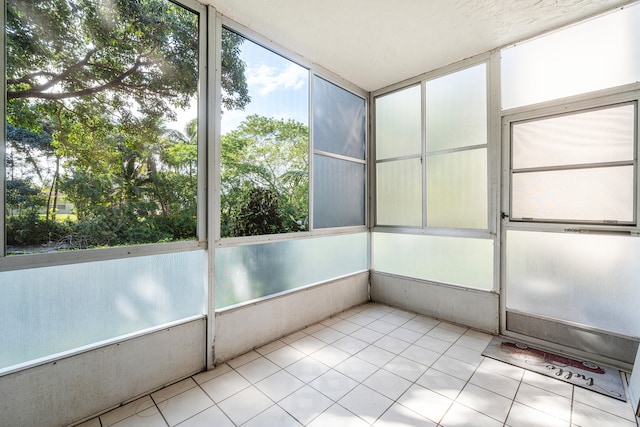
(100, 79)
(264, 168)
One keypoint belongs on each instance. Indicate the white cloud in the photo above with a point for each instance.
(269, 79)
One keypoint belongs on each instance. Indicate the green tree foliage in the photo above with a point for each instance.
(264, 177)
(91, 85)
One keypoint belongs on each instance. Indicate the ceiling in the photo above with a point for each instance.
(375, 43)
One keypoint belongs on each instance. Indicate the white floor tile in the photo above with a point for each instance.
(604, 403)
(454, 367)
(387, 384)
(357, 369)
(338, 416)
(274, 416)
(150, 417)
(469, 355)
(346, 327)
(421, 324)
(328, 335)
(441, 383)
(400, 416)
(279, 385)
(184, 405)
(406, 368)
(503, 386)
(360, 319)
(445, 332)
(525, 416)
(396, 318)
(405, 334)
(293, 337)
(548, 383)
(243, 406)
(225, 385)
(425, 402)
(350, 344)
(205, 376)
(173, 390)
(285, 356)
(306, 404)
(119, 414)
(209, 417)
(308, 344)
(307, 369)
(330, 355)
(472, 342)
(394, 345)
(485, 402)
(367, 335)
(504, 369)
(376, 356)
(245, 358)
(587, 416)
(421, 355)
(258, 369)
(366, 403)
(459, 415)
(434, 344)
(333, 384)
(272, 346)
(381, 326)
(544, 401)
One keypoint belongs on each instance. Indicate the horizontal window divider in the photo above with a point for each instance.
(456, 150)
(441, 232)
(340, 156)
(606, 222)
(393, 159)
(562, 227)
(271, 238)
(50, 259)
(576, 166)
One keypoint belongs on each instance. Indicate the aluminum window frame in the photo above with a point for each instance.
(35, 260)
(314, 71)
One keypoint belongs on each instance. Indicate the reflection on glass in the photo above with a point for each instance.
(101, 146)
(265, 139)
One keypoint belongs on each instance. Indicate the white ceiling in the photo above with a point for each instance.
(375, 43)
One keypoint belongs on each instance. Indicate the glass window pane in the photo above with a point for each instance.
(101, 117)
(399, 193)
(338, 193)
(592, 55)
(44, 311)
(594, 194)
(457, 109)
(244, 273)
(338, 120)
(453, 260)
(584, 279)
(398, 123)
(457, 189)
(605, 135)
(265, 141)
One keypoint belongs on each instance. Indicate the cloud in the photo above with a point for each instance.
(269, 79)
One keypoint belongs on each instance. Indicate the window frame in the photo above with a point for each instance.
(35, 260)
(314, 71)
(625, 95)
(490, 60)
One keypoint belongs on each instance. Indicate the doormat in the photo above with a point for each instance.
(601, 379)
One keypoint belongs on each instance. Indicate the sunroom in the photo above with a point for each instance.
(197, 190)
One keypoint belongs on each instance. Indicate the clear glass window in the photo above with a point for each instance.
(265, 141)
(101, 117)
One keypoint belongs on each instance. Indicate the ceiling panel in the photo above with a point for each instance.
(375, 43)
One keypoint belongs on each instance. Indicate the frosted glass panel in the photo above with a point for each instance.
(457, 109)
(399, 193)
(44, 311)
(454, 260)
(595, 194)
(605, 135)
(587, 279)
(593, 55)
(457, 189)
(338, 120)
(339, 192)
(398, 123)
(243, 273)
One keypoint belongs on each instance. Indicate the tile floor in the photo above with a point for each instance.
(372, 365)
